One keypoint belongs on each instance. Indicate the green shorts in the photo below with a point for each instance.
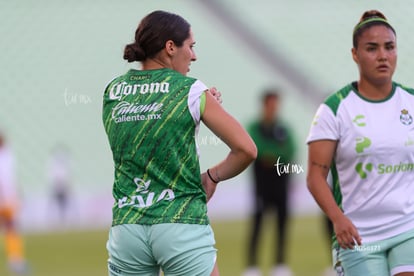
(383, 258)
(176, 249)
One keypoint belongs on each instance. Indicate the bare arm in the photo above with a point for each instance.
(320, 156)
(242, 148)
(216, 94)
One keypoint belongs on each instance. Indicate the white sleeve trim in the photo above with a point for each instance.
(194, 98)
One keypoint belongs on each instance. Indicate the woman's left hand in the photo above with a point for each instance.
(216, 94)
(208, 185)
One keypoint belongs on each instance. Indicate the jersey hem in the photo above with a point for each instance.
(167, 220)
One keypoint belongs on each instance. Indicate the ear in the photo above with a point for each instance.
(354, 55)
(170, 47)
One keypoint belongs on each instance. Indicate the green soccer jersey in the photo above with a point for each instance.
(151, 118)
(273, 141)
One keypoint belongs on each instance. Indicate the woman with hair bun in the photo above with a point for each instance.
(151, 117)
(364, 135)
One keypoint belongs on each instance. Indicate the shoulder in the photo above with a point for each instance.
(187, 83)
(174, 76)
(117, 79)
(334, 100)
(253, 125)
(404, 88)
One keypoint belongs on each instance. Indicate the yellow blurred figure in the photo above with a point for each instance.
(8, 210)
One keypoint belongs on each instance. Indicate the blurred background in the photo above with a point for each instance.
(57, 57)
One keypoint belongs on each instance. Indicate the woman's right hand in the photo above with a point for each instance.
(346, 233)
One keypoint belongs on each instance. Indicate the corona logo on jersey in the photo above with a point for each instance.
(144, 197)
(120, 89)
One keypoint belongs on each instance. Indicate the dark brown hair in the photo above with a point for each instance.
(270, 93)
(153, 32)
(369, 19)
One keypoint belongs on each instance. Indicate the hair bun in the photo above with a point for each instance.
(133, 52)
(372, 14)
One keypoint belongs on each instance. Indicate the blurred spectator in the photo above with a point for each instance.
(276, 150)
(9, 204)
(59, 176)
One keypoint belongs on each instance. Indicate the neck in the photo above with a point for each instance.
(154, 63)
(268, 120)
(374, 91)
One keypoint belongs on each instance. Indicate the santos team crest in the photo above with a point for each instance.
(405, 117)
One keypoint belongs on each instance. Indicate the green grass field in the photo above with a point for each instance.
(84, 253)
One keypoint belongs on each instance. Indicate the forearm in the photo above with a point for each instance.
(232, 165)
(322, 194)
(242, 148)
(320, 156)
(319, 162)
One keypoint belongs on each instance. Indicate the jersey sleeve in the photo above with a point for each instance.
(195, 102)
(324, 125)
